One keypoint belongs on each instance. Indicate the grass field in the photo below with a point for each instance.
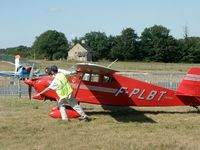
(144, 66)
(25, 124)
(141, 66)
(4, 66)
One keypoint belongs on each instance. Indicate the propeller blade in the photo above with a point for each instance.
(29, 91)
(30, 78)
(31, 73)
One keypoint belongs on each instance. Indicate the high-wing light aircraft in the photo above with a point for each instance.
(101, 85)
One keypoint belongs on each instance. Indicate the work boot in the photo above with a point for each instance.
(84, 118)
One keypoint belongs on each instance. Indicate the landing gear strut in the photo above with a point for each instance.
(197, 108)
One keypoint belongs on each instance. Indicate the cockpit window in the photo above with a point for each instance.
(107, 79)
(91, 77)
(86, 77)
(94, 78)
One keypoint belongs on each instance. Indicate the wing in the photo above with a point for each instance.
(41, 74)
(94, 68)
(7, 74)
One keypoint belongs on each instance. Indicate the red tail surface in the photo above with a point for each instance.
(190, 85)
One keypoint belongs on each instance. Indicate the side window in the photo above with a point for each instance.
(94, 78)
(91, 77)
(86, 77)
(107, 79)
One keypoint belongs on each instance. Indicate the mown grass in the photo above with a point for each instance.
(4, 66)
(25, 125)
(145, 66)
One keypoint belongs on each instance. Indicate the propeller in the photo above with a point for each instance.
(30, 78)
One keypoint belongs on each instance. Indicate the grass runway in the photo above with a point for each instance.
(25, 125)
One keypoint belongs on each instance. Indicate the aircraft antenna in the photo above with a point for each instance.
(112, 63)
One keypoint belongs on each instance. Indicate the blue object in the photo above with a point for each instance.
(54, 68)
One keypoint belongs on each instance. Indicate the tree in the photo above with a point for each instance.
(75, 41)
(112, 42)
(23, 51)
(191, 49)
(98, 43)
(158, 45)
(51, 45)
(127, 46)
(116, 51)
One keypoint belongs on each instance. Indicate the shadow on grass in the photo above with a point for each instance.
(123, 114)
(171, 112)
(129, 114)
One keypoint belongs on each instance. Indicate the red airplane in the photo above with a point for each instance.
(96, 84)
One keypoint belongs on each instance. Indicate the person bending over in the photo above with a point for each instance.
(64, 90)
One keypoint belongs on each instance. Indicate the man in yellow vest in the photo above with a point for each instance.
(64, 90)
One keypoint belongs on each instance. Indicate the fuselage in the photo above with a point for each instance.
(124, 91)
(117, 90)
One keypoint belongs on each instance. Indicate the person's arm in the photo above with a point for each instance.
(44, 91)
(52, 86)
(65, 72)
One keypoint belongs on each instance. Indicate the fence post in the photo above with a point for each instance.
(19, 88)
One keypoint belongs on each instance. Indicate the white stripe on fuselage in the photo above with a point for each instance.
(192, 77)
(96, 88)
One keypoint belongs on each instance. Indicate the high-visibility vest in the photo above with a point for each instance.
(64, 88)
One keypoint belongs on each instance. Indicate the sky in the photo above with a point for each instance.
(21, 21)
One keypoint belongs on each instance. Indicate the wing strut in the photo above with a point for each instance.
(79, 84)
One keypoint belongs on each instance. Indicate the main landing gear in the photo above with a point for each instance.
(197, 108)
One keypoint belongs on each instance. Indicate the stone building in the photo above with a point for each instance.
(79, 53)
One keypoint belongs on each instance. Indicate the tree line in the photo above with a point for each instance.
(154, 44)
